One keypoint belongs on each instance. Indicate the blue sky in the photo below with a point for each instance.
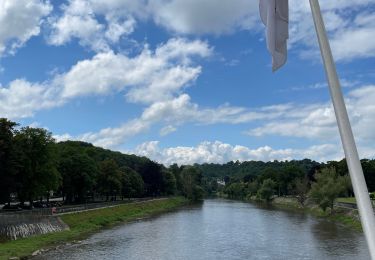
(185, 81)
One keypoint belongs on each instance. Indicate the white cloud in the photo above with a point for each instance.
(175, 111)
(349, 26)
(314, 121)
(219, 152)
(355, 40)
(81, 20)
(20, 20)
(101, 24)
(146, 78)
(113, 137)
(204, 16)
(149, 77)
(63, 137)
(317, 121)
(22, 99)
(167, 130)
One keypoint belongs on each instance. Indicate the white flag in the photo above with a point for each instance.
(275, 16)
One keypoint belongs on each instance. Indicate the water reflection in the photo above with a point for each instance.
(335, 240)
(221, 229)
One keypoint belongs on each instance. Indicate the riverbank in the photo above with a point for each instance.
(344, 216)
(82, 224)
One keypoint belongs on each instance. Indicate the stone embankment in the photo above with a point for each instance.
(15, 226)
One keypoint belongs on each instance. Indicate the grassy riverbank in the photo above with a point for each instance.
(347, 217)
(83, 224)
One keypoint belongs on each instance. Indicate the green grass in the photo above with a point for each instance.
(347, 200)
(345, 217)
(83, 224)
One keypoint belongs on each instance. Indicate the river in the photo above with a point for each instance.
(221, 229)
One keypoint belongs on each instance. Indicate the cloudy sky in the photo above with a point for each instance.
(185, 81)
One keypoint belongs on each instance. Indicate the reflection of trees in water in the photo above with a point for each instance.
(294, 216)
(334, 239)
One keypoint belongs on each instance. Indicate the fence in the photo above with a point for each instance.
(70, 208)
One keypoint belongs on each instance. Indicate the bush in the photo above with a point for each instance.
(267, 190)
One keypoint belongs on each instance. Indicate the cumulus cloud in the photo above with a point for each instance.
(20, 20)
(22, 99)
(112, 137)
(97, 24)
(167, 130)
(100, 24)
(149, 76)
(207, 16)
(317, 121)
(219, 152)
(350, 31)
(146, 78)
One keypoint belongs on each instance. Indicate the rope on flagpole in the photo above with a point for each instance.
(354, 164)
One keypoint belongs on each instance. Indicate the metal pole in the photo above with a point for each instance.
(354, 165)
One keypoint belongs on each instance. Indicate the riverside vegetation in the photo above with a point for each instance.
(34, 166)
(85, 223)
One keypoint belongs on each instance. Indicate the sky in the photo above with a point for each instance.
(186, 81)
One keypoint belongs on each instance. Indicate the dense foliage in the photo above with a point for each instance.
(34, 166)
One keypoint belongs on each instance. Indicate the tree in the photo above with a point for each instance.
(132, 183)
(236, 190)
(109, 180)
(192, 181)
(369, 172)
(169, 182)
(286, 179)
(267, 190)
(329, 186)
(36, 171)
(301, 189)
(79, 173)
(7, 159)
(177, 174)
(152, 176)
(252, 188)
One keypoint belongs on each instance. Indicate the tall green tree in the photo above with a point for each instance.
(287, 177)
(192, 181)
(7, 159)
(79, 173)
(169, 182)
(36, 167)
(267, 189)
(152, 176)
(176, 170)
(369, 172)
(329, 185)
(132, 185)
(109, 180)
(301, 189)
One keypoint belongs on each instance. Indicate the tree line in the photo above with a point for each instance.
(34, 166)
(322, 182)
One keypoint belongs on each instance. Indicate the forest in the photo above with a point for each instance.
(33, 166)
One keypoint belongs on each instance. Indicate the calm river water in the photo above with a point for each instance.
(221, 229)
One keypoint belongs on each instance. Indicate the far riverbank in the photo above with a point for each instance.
(345, 216)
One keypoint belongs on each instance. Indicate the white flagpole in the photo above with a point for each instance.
(354, 165)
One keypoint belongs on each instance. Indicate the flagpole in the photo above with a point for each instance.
(354, 164)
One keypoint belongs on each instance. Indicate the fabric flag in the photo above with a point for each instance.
(275, 16)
